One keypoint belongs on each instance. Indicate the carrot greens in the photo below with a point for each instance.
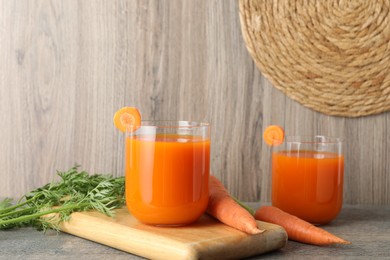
(48, 206)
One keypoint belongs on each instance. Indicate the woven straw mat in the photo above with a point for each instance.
(330, 56)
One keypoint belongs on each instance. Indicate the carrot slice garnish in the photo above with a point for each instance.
(126, 117)
(273, 135)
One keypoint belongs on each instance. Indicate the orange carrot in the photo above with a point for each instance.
(296, 228)
(127, 117)
(223, 207)
(273, 135)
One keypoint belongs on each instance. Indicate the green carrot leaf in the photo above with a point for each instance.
(53, 203)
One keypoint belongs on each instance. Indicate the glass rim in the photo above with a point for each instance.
(313, 139)
(174, 124)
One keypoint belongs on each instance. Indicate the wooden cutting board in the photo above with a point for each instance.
(205, 239)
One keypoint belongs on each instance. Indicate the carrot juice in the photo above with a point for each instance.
(167, 177)
(308, 183)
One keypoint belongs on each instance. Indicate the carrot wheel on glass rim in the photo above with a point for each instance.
(127, 117)
(273, 135)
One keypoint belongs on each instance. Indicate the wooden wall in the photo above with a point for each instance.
(67, 66)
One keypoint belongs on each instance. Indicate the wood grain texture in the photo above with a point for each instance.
(67, 66)
(207, 238)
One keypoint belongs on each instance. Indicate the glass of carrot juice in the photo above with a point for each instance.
(307, 177)
(167, 166)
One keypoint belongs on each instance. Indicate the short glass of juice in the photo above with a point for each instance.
(308, 176)
(167, 165)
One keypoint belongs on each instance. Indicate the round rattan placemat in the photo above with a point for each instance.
(332, 56)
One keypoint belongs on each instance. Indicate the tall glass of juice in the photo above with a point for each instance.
(167, 166)
(308, 176)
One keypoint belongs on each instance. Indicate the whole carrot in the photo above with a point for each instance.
(297, 229)
(222, 206)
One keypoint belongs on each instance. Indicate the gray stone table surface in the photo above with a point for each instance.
(366, 226)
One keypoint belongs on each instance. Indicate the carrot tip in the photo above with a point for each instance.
(224, 208)
(345, 242)
(257, 231)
